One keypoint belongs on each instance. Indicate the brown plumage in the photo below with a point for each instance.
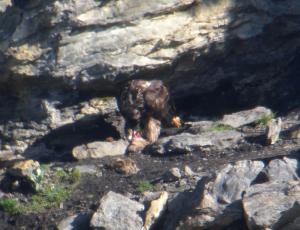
(144, 104)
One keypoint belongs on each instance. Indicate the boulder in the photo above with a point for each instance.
(117, 212)
(245, 117)
(284, 169)
(219, 202)
(272, 205)
(100, 149)
(187, 143)
(29, 170)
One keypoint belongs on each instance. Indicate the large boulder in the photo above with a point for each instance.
(117, 212)
(217, 202)
(272, 205)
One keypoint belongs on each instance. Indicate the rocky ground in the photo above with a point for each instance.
(62, 159)
(216, 174)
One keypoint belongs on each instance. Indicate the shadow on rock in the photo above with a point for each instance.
(58, 144)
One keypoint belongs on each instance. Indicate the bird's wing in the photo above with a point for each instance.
(156, 98)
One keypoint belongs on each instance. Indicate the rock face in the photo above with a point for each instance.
(117, 212)
(57, 55)
(272, 205)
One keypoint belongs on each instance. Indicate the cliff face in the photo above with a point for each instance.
(57, 55)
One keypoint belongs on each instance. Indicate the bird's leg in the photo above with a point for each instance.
(152, 129)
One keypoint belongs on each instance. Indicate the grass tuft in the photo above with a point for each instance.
(144, 186)
(264, 120)
(53, 191)
(10, 206)
(221, 128)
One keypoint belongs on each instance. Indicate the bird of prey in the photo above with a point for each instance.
(144, 105)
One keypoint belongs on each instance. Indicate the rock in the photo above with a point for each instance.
(125, 166)
(272, 205)
(100, 149)
(245, 117)
(92, 48)
(4, 4)
(156, 208)
(197, 127)
(88, 169)
(188, 172)
(172, 175)
(285, 169)
(117, 212)
(273, 131)
(294, 132)
(29, 170)
(74, 222)
(220, 199)
(187, 143)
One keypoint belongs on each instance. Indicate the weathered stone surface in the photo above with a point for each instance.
(100, 149)
(117, 212)
(285, 169)
(220, 201)
(89, 41)
(186, 142)
(272, 205)
(245, 117)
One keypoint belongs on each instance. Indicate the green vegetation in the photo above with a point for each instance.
(54, 188)
(221, 128)
(10, 206)
(263, 121)
(144, 186)
(49, 197)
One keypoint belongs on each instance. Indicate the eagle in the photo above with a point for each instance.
(145, 105)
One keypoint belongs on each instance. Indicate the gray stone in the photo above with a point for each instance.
(186, 142)
(117, 212)
(172, 175)
(272, 205)
(74, 222)
(245, 117)
(220, 200)
(100, 149)
(88, 169)
(282, 169)
(188, 172)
